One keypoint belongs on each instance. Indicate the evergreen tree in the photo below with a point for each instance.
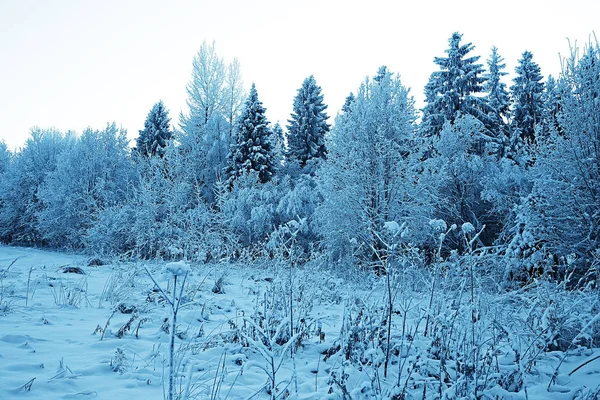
(5, 156)
(454, 89)
(278, 144)
(157, 132)
(497, 96)
(347, 107)
(527, 90)
(251, 149)
(551, 100)
(308, 124)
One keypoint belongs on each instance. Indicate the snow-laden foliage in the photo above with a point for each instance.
(462, 162)
(558, 224)
(527, 92)
(308, 124)
(227, 185)
(250, 208)
(455, 89)
(370, 174)
(21, 183)
(297, 204)
(497, 96)
(204, 156)
(92, 175)
(215, 97)
(156, 133)
(5, 156)
(206, 89)
(251, 149)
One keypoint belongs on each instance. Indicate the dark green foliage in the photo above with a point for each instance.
(454, 89)
(308, 124)
(527, 92)
(251, 149)
(156, 133)
(497, 96)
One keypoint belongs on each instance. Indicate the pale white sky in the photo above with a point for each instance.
(71, 64)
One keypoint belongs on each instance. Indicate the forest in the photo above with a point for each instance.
(488, 195)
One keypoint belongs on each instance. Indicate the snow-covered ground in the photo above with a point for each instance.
(69, 330)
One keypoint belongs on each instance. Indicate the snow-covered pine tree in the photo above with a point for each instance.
(347, 107)
(454, 89)
(251, 149)
(308, 124)
(527, 90)
(5, 156)
(497, 95)
(278, 143)
(157, 132)
(551, 99)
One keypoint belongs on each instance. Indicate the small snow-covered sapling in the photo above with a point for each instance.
(173, 270)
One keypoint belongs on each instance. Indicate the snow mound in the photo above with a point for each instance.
(179, 268)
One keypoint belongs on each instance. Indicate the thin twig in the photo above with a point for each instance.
(584, 364)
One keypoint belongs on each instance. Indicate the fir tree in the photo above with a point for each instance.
(251, 150)
(497, 96)
(347, 107)
(527, 90)
(5, 156)
(157, 132)
(551, 99)
(278, 144)
(308, 124)
(454, 88)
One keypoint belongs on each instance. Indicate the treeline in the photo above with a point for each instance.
(510, 172)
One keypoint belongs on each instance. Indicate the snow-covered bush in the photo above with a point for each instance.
(250, 209)
(95, 173)
(21, 181)
(371, 174)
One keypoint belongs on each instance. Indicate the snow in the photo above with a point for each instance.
(392, 226)
(66, 335)
(179, 268)
(467, 227)
(438, 225)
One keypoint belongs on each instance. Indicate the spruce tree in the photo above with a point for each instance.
(347, 107)
(251, 150)
(497, 96)
(308, 124)
(156, 133)
(527, 90)
(454, 89)
(551, 99)
(278, 144)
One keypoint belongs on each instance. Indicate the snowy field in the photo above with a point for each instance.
(70, 330)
